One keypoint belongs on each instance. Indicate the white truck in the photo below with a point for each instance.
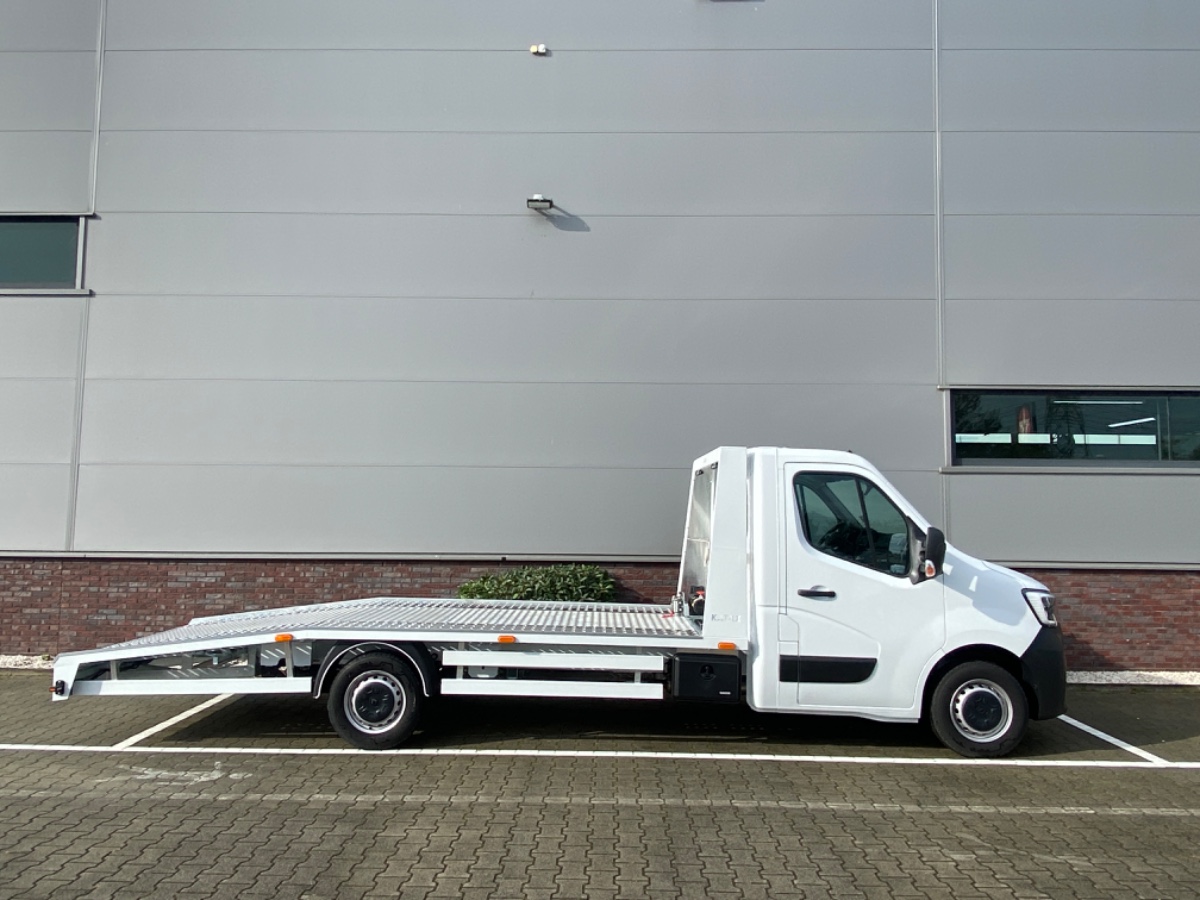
(807, 584)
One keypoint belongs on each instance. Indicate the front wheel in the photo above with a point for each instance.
(375, 701)
(979, 709)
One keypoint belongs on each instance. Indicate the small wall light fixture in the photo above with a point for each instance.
(540, 203)
(538, 49)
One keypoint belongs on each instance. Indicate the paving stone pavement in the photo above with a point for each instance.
(173, 822)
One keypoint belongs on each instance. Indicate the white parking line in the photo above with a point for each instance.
(617, 754)
(162, 726)
(1116, 742)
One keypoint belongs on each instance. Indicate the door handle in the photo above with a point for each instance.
(817, 591)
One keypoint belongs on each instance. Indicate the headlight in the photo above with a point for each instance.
(1042, 604)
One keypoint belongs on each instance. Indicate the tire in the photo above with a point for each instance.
(979, 710)
(375, 701)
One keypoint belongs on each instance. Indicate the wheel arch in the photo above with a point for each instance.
(978, 653)
(342, 652)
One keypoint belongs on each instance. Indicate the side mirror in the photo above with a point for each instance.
(930, 556)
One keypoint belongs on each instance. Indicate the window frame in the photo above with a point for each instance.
(1073, 464)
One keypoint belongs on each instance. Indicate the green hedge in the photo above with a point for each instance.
(565, 582)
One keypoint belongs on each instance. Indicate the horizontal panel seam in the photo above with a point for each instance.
(1090, 387)
(1071, 49)
(523, 214)
(437, 556)
(448, 468)
(1092, 299)
(517, 131)
(70, 379)
(85, 51)
(508, 133)
(474, 299)
(950, 130)
(1101, 471)
(126, 379)
(1023, 131)
(1065, 215)
(1072, 299)
(149, 464)
(117, 295)
(510, 51)
(515, 215)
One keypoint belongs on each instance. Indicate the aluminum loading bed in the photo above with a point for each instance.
(486, 647)
(389, 615)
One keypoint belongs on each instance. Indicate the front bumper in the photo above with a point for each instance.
(1044, 671)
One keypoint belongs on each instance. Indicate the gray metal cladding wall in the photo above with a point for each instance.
(48, 80)
(48, 56)
(325, 322)
(1072, 217)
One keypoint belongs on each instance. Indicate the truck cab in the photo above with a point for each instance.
(856, 605)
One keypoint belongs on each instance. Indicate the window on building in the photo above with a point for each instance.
(1076, 428)
(39, 253)
(850, 518)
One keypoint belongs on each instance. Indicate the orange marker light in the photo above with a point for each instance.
(282, 638)
(726, 645)
(506, 639)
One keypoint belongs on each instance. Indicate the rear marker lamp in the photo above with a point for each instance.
(1042, 603)
(506, 639)
(726, 645)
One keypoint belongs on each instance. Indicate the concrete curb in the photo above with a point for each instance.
(1134, 677)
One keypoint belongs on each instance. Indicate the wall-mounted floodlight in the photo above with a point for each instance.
(540, 203)
(538, 49)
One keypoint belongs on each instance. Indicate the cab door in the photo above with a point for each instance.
(863, 631)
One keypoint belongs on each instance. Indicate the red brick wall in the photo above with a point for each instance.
(52, 605)
(1111, 619)
(1127, 619)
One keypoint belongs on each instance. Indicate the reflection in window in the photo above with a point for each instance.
(1075, 428)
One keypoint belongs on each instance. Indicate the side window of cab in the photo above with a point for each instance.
(849, 517)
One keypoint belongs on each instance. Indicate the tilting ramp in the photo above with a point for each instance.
(238, 652)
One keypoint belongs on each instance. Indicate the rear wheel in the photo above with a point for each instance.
(375, 701)
(979, 709)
